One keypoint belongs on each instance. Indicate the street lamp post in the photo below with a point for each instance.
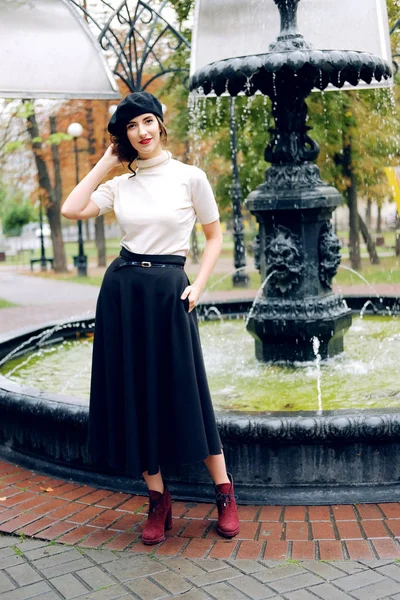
(42, 260)
(80, 261)
(240, 278)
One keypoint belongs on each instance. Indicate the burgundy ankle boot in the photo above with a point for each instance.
(228, 521)
(159, 517)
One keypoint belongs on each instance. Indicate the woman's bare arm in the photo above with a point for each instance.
(78, 204)
(213, 233)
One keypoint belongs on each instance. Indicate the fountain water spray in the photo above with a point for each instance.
(209, 288)
(258, 296)
(316, 345)
(371, 287)
(44, 335)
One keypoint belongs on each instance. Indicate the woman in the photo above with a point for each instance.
(149, 401)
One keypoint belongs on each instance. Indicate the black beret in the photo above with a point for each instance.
(132, 106)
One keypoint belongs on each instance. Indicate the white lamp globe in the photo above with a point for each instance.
(75, 130)
(111, 109)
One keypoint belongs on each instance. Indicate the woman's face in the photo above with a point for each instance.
(144, 134)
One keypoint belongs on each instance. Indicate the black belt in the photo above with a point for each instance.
(147, 264)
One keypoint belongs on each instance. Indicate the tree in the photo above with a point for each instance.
(16, 217)
(358, 133)
(50, 195)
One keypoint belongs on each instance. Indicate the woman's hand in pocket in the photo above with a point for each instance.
(193, 293)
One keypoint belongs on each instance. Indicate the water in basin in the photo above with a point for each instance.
(364, 376)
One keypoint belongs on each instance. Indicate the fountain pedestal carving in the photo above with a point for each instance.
(298, 251)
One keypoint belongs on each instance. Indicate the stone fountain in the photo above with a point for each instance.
(296, 248)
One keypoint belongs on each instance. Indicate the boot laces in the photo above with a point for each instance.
(153, 504)
(225, 498)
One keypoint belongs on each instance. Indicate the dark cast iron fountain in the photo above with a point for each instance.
(296, 245)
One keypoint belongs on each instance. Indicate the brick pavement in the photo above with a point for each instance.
(49, 508)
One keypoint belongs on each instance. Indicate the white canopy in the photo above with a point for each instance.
(48, 51)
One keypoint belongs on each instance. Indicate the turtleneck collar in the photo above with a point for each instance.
(144, 163)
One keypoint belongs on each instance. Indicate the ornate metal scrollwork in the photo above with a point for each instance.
(329, 306)
(329, 255)
(284, 259)
(293, 176)
(134, 33)
(290, 143)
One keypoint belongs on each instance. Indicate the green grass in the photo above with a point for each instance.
(388, 271)
(6, 304)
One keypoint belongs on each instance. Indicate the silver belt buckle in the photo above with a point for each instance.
(145, 263)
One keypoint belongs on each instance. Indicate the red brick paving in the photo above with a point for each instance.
(374, 529)
(270, 513)
(391, 509)
(330, 550)
(271, 531)
(197, 548)
(172, 546)
(98, 538)
(36, 526)
(121, 541)
(386, 548)
(295, 513)
(53, 532)
(114, 500)
(303, 550)
(276, 550)
(223, 550)
(359, 550)
(196, 529)
(369, 511)
(319, 513)
(126, 522)
(349, 530)
(297, 531)
(76, 534)
(344, 513)
(394, 526)
(72, 513)
(250, 550)
(322, 530)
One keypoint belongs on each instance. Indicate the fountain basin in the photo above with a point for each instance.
(339, 456)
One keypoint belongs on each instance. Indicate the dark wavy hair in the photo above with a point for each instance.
(124, 149)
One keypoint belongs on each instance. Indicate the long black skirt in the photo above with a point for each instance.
(150, 403)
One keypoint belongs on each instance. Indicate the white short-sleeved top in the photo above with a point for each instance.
(157, 208)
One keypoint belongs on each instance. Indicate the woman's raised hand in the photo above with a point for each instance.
(110, 158)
